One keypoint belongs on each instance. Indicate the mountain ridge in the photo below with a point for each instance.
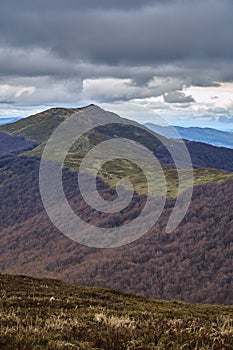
(39, 127)
(210, 136)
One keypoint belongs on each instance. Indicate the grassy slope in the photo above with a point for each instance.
(48, 314)
(40, 126)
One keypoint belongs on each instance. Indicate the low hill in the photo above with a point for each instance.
(48, 314)
(206, 135)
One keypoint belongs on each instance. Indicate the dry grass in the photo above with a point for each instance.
(46, 314)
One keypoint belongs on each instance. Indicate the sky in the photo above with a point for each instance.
(162, 61)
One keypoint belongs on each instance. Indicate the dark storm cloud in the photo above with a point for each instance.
(163, 32)
(58, 5)
(131, 39)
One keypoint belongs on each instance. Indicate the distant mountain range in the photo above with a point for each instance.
(6, 120)
(193, 263)
(207, 135)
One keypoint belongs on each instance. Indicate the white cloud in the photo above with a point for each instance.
(10, 93)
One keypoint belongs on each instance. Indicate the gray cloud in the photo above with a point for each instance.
(159, 46)
(177, 97)
(163, 32)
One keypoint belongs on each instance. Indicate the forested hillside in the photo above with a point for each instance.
(193, 263)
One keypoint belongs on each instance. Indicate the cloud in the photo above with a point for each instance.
(177, 97)
(124, 32)
(76, 51)
(10, 93)
(113, 89)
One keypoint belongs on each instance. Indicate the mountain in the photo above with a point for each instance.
(202, 155)
(193, 263)
(206, 135)
(7, 120)
(10, 145)
(48, 314)
(37, 128)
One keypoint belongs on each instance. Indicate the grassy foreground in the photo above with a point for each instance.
(48, 314)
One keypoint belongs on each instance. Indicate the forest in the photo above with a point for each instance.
(193, 263)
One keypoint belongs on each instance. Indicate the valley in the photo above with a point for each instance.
(192, 264)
